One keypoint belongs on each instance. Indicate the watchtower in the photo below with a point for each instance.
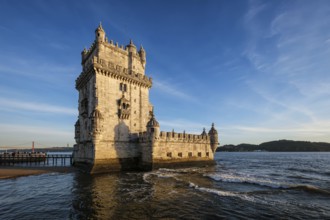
(113, 103)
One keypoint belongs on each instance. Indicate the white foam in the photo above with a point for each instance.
(159, 174)
(236, 178)
(221, 192)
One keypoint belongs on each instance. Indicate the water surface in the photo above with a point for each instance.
(250, 185)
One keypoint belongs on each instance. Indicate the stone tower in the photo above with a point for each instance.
(116, 127)
(113, 104)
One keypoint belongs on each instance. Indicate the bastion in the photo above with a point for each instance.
(116, 128)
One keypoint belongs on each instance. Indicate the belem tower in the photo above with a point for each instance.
(116, 127)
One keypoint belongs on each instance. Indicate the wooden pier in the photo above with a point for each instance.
(46, 160)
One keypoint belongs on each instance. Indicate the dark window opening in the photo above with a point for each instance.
(190, 154)
(169, 154)
(123, 87)
(179, 154)
(199, 154)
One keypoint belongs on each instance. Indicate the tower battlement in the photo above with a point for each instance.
(127, 57)
(116, 128)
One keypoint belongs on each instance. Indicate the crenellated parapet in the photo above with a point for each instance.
(121, 73)
(109, 69)
(182, 137)
(118, 62)
(101, 43)
(114, 47)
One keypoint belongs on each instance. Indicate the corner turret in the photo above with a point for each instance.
(143, 56)
(213, 133)
(99, 34)
(153, 127)
(131, 47)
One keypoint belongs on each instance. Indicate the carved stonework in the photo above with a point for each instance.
(77, 131)
(97, 122)
(84, 108)
(124, 108)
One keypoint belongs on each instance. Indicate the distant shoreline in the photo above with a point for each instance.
(278, 146)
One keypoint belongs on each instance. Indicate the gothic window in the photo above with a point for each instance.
(190, 154)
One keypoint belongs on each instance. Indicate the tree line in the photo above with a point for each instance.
(279, 146)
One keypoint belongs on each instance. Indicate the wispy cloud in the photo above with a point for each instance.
(314, 131)
(289, 54)
(171, 90)
(34, 130)
(36, 69)
(179, 125)
(18, 105)
(16, 134)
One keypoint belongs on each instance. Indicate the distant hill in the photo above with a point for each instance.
(279, 146)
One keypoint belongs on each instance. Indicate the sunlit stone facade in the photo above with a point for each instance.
(116, 128)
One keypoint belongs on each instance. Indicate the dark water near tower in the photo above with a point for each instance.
(257, 185)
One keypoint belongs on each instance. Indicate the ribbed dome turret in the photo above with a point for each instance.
(152, 122)
(99, 28)
(204, 132)
(213, 130)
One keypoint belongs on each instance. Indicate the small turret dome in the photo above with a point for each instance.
(99, 34)
(213, 130)
(99, 28)
(152, 122)
(142, 49)
(131, 47)
(131, 44)
(204, 132)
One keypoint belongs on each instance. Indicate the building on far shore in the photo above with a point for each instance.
(116, 127)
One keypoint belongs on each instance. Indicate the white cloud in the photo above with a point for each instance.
(180, 125)
(18, 135)
(171, 90)
(41, 71)
(9, 104)
(236, 134)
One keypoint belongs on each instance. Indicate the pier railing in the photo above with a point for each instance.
(36, 160)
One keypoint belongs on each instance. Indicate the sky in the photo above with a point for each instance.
(258, 69)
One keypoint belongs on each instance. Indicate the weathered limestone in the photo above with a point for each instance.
(116, 129)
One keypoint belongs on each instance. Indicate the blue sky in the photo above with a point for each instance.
(258, 69)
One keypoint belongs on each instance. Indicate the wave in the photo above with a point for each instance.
(230, 178)
(160, 174)
(221, 192)
(309, 189)
(310, 170)
(268, 183)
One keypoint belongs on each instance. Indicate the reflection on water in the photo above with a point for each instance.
(158, 194)
(250, 185)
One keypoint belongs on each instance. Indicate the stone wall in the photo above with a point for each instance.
(173, 148)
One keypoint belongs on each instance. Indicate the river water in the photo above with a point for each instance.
(254, 185)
